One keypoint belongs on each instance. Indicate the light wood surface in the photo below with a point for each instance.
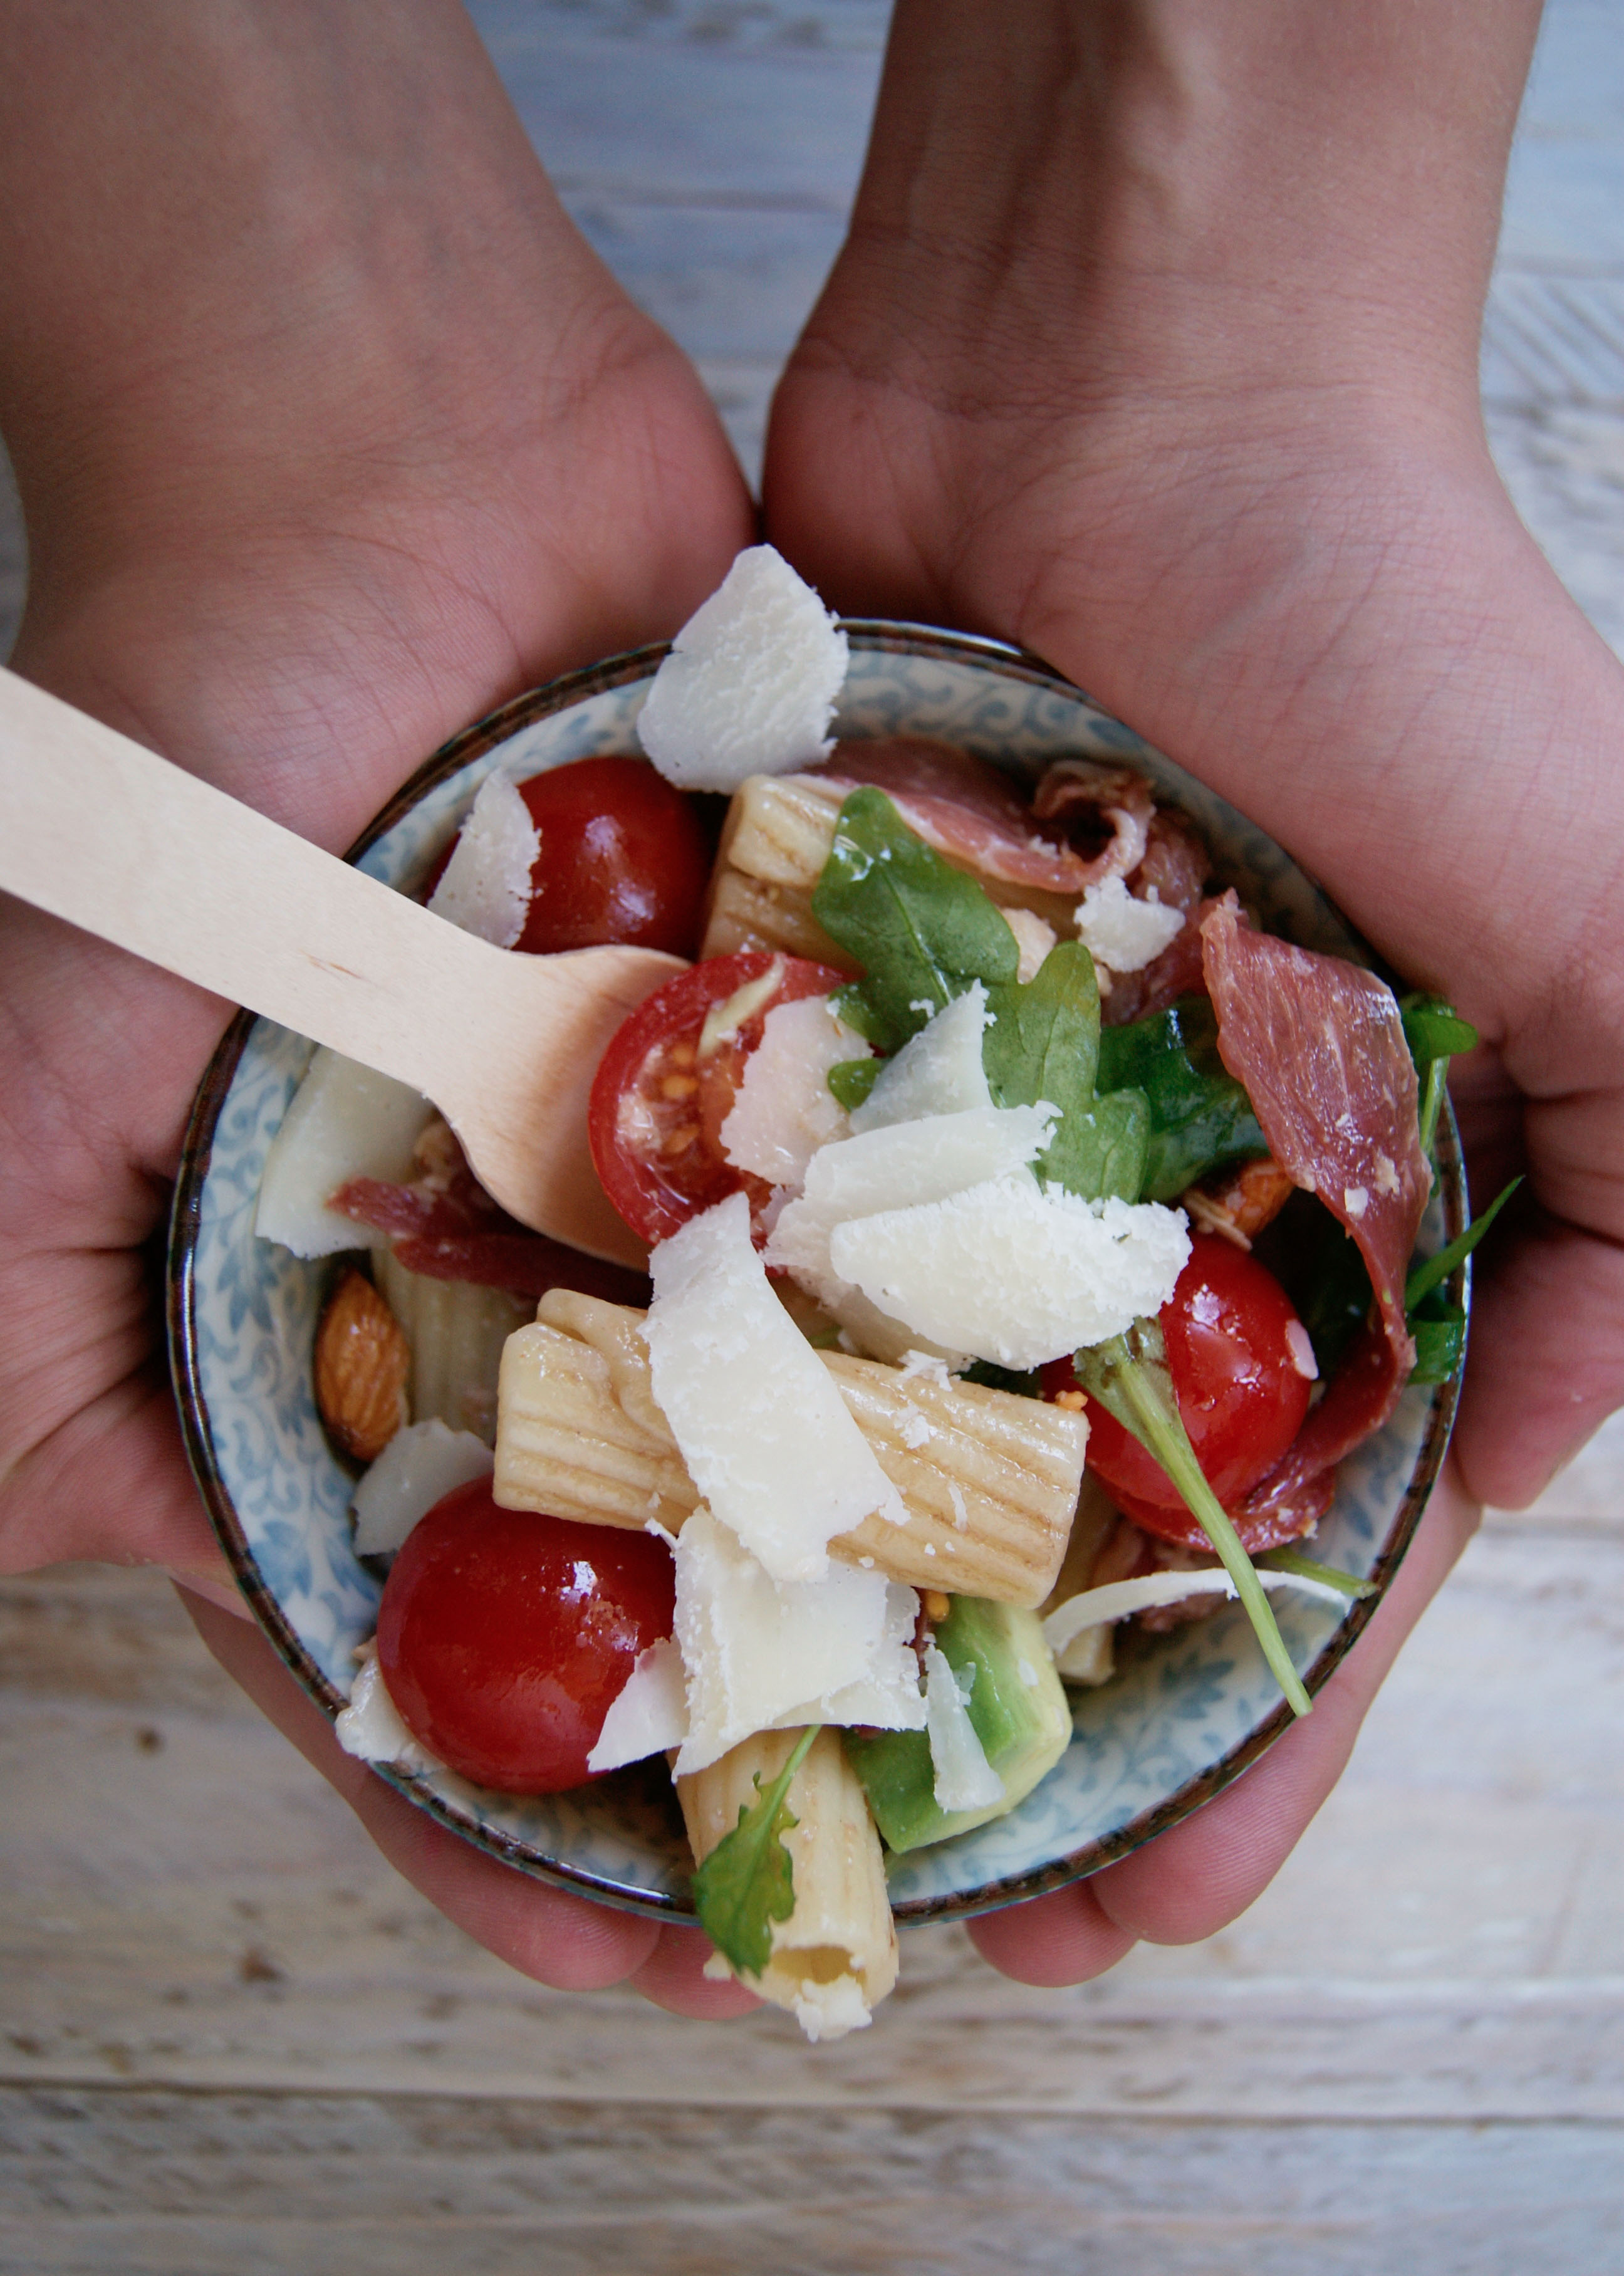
(232, 2041)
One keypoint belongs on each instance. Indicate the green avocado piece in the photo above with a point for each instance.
(1024, 1726)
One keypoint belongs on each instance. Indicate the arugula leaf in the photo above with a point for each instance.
(1043, 1035)
(1130, 1377)
(852, 1080)
(921, 929)
(1439, 1330)
(1435, 1033)
(1042, 1044)
(1200, 1115)
(1433, 1271)
(747, 1881)
(1434, 1030)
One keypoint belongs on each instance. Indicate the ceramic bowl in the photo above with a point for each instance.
(1188, 1711)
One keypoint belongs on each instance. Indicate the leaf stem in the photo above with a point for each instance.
(1306, 1568)
(1170, 1443)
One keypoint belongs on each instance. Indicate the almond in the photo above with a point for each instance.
(362, 1360)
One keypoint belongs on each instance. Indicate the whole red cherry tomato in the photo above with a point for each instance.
(624, 857)
(660, 1097)
(1233, 1344)
(504, 1637)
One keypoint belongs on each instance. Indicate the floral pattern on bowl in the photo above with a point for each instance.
(1189, 1709)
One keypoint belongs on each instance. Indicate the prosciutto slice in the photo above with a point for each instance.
(973, 814)
(1319, 1045)
(445, 1226)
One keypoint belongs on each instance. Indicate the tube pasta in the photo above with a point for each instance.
(456, 1332)
(989, 1481)
(835, 1958)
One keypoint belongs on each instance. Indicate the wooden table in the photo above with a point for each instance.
(231, 2040)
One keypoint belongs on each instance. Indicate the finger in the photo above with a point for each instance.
(1547, 1365)
(1199, 1876)
(674, 1977)
(562, 1940)
(1067, 1937)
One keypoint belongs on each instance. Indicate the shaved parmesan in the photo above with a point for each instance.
(766, 1436)
(1014, 1273)
(962, 1778)
(1121, 932)
(371, 1727)
(345, 1122)
(784, 1109)
(761, 1655)
(938, 1070)
(750, 684)
(485, 888)
(1097, 1607)
(648, 1715)
(1033, 938)
(420, 1466)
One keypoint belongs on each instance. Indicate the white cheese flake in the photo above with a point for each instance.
(345, 1122)
(1033, 938)
(485, 886)
(962, 1778)
(420, 1465)
(750, 684)
(1356, 1200)
(648, 1715)
(761, 1655)
(1299, 1344)
(784, 1110)
(938, 1070)
(767, 1437)
(1014, 1273)
(1121, 932)
(1117, 1599)
(371, 1727)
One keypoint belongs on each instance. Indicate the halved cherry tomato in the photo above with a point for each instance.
(659, 1101)
(624, 857)
(504, 1637)
(1233, 1340)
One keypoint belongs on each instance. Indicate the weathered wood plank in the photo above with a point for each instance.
(172, 2184)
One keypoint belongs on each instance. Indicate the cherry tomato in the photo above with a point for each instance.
(624, 857)
(504, 1637)
(658, 1102)
(1228, 1327)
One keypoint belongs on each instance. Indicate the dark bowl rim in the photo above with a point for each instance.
(876, 635)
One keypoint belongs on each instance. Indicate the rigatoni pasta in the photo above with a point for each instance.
(989, 1481)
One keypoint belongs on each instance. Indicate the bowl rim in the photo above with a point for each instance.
(873, 635)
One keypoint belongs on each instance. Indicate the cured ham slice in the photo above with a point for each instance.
(974, 816)
(1319, 1045)
(445, 1224)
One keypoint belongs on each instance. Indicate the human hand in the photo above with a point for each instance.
(329, 440)
(1154, 347)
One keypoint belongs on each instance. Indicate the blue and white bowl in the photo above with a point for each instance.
(1188, 1711)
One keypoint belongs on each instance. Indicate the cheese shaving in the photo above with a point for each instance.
(648, 1715)
(485, 888)
(765, 1434)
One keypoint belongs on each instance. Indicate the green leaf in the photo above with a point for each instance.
(1042, 1044)
(1099, 1150)
(1043, 1035)
(922, 930)
(1200, 1115)
(1433, 1271)
(1130, 1377)
(1434, 1030)
(852, 1080)
(747, 1881)
(1439, 1330)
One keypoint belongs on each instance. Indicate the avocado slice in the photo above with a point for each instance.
(1024, 1728)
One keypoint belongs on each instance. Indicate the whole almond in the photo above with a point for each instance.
(363, 1360)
